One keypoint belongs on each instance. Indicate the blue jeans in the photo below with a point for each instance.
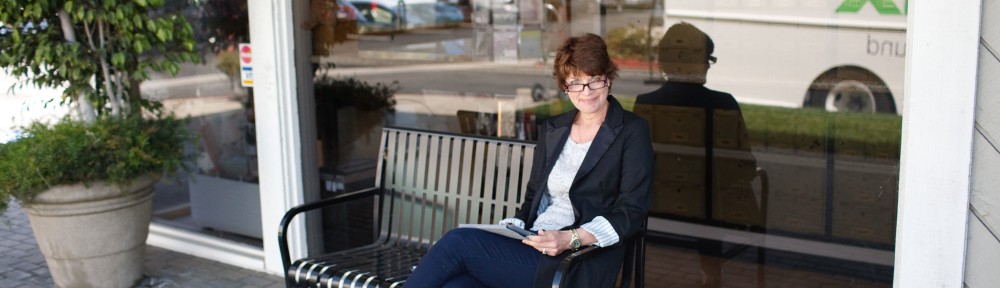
(468, 257)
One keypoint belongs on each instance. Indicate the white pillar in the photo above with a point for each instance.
(279, 139)
(941, 66)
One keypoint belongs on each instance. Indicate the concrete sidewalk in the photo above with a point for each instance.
(22, 264)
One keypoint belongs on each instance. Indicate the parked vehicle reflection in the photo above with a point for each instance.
(383, 16)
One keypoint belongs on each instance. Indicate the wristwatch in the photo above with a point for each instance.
(575, 241)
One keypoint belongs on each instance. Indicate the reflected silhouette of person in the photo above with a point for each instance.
(704, 163)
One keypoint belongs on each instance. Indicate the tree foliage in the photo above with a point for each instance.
(97, 50)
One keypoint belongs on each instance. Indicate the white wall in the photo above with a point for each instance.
(983, 250)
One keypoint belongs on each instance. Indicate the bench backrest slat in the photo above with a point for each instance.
(431, 169)
(434, 181)
(478, 176)
(464, 179)
(502, 165)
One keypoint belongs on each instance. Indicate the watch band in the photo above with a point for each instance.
(575, 239)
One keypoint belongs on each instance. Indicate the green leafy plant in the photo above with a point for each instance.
(114, 149)
(369, 103)
(342, 92)
(98, 52)
(629, 42)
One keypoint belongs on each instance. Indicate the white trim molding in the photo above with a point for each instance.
(204, 246)
(938, 121)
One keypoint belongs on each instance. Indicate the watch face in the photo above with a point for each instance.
(575, 243)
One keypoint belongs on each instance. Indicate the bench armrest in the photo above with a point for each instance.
(562, 274)
(634, 261)
(287, 219)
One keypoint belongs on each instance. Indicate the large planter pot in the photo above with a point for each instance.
(94, 235)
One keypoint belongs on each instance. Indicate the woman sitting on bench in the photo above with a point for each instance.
(590, 186)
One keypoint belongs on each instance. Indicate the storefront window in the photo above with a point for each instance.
(220, 196)
(776, 123)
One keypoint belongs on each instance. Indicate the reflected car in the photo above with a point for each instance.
(416, 14)
(373, 17)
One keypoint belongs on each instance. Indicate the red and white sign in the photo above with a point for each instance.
(246, 69)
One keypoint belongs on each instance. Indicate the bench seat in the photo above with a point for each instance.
(382, 265)
(426, 184)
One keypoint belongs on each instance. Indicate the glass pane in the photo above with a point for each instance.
(220, 195)
(776, 124)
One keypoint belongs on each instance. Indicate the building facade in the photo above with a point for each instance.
(886, 184)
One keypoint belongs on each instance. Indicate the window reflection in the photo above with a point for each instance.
(220, 196)
(705, 167)
(785, 126)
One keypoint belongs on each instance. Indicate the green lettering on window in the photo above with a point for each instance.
(884, 7)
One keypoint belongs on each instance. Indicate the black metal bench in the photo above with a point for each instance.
(426, 184)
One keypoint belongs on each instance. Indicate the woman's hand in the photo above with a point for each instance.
(550, 243)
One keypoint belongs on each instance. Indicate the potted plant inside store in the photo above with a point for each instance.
(86, 181)
(358, 108)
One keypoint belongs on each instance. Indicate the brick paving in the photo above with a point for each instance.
(668, 265)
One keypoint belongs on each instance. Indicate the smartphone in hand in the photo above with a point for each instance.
(521, 231)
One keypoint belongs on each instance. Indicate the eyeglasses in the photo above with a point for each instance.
(592, 85)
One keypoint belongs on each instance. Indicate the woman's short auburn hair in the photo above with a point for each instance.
(586, 54)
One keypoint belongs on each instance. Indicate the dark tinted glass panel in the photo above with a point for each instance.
(220, 197)
(776, 124)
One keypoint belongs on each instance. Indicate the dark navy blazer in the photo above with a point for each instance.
(614, 181)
